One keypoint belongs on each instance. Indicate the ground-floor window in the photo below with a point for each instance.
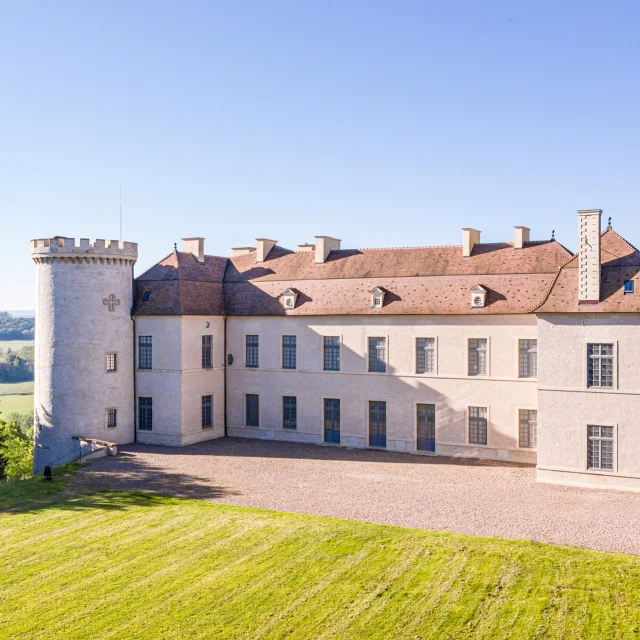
(289, 412)
(426, 423)
(112, 418)
(477, 425)
(207, 411)
(528, 429)
(145, 414)
(253, 410)
(377, 423)
(332, 420)
(600, 448)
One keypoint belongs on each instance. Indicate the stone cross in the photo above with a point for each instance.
(112, 301)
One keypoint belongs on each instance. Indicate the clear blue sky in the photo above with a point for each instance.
(381, 123)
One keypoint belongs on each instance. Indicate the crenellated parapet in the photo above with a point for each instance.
(96, 251)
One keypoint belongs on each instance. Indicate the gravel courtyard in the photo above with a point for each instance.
(444, 494)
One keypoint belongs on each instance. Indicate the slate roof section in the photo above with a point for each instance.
(420, 280)
(620, 261)
(179, 284)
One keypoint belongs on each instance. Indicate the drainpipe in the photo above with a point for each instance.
(225, 376)
(133, 320)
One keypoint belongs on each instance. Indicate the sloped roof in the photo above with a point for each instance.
(420, 280)
(620, 261)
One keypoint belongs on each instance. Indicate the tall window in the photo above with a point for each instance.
(426, 424)
(207, 352)
(331, 353)
(253, 409)
(145, 348)
(289, 412)
(378, 355)
(145, 414)
(377, 423)
(332, 420)
(600, 448)
(600, 368)
(528, 358)
(477, 425)
(112, 418)
(252, 351)
(207, 411)
(478, 357)
(288, 352)
(112, 362)
(425, 355)
(528, 429)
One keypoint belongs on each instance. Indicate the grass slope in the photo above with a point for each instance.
(15, 345)
(17, 493)
(136, 566)
(14, 388)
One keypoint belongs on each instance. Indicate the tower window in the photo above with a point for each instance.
(112, 362)
(112, 418)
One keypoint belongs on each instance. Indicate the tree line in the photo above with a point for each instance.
(16, 328)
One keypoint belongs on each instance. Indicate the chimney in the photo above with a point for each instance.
(324, 246)
(263, 246)
(589, 256)
(470, 238)
(522, 236)
(241, 251)
(194, 246)
(306, 248)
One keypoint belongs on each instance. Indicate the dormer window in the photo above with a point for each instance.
(289, 298)
(145, 296)
(478, 297)
(377, 297)
(628, 286)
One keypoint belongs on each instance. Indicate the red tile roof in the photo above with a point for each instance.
(620, 261)
(422, 280)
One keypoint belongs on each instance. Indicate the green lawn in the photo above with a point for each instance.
(14, 388)
(137, 566)
(14, 345)
(15, 403)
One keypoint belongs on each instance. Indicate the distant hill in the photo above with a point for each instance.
(22, 313)
(13, 328)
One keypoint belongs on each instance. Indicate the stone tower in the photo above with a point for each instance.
(83, 345)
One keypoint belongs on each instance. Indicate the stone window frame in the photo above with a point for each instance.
(207, 351)
(518, 428)
(245, 409)
(435, 356)
(115, 361)
(284, 413)
(615, 356)
(115, 418)
(373, 336)
(468, 425)
(323, 347)
(487, 373)
(614, 440)
(202, 412)
(245, 350)
(519, 355)
(289, 352)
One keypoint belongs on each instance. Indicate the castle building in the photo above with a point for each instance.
(515, 351)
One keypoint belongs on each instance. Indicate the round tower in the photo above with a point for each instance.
(83, 345)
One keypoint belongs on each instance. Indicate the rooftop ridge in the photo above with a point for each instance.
(153, 266)
(447, 246)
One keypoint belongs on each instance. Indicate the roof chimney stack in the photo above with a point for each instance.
(324, 246)
(263, 246)
(589, 257)
(522, 236)
(194, 246)
(470, 238)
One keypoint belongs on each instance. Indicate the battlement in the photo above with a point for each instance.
(94, 248)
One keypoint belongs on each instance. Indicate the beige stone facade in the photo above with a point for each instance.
(516, 351)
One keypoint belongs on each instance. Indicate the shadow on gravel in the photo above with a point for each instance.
(255, 448)
(128, 472)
